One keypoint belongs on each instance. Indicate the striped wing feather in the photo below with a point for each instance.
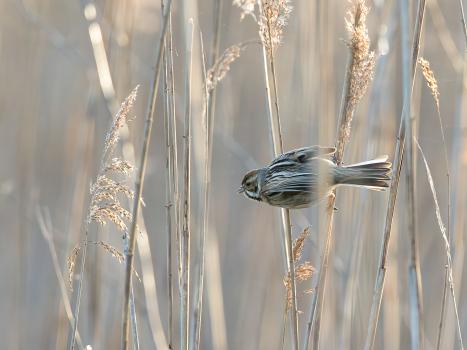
(300, 156)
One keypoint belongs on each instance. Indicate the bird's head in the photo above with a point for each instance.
(251, 184)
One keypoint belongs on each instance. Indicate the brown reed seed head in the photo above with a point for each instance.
(117, 165)
(299, 243)
(430, 79)
(363, 60)
(112, 250)
(71, 263)
(303, 271)
(362, 65)
(105, 205)
(272, 21)
(120, 120)
(220, 68)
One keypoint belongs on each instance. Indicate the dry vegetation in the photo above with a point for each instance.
(133, 236)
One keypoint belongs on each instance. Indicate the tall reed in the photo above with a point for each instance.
(140, 180)
(359, 73)
(397, 166)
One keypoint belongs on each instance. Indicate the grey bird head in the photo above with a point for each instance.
(251, 184)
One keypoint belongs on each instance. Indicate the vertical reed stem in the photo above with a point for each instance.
(140, 182)
(276, 134)
(397, 165)
(414, 283)
(186, 230)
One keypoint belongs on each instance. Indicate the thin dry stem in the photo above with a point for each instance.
(199, 289)
(432, 84)
(46, 230)
(278, 148)
(104, 205)
(397, 165)
(414, 281)
(184, 277)
(359, 73)
(140, 182)
(447, 246)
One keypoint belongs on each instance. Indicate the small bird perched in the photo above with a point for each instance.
(302, 177)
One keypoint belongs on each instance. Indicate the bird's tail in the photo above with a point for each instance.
(372, 174)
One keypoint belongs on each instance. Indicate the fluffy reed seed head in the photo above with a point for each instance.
(363, 59)
(71, 263)
(299, 243)
(220, 68)
(430, 79)
(117, 165)
(105, 205)
(303, 271)
(272, 21)
(120, 120)
(112, 250)
(362, 65)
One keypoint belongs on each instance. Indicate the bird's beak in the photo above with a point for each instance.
(241, 190)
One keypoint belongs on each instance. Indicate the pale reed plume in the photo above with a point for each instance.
(221, 67)
(105, 205)
(430, 79)
(272, 21)
(363, 63)
(303, 271)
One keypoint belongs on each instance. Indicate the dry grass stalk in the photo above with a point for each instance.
(359, 74)
(361, 70)
(397, 166)
(445, 237)
(195, 336)
(209, 110)
(45, 225)
(139, 183)
(276, 10)
(171, 192)
(173, 149)
(415, 279)
(185, 237)
(464, 25)
(104, 205)
(432, 84)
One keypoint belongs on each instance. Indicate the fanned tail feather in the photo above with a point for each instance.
(372, 174)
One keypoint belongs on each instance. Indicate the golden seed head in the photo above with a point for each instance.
(272, 22)
(430, 79)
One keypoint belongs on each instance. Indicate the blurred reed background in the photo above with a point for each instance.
(65, 69)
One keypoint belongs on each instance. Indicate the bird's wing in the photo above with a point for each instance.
(285, 181)
(300, 156)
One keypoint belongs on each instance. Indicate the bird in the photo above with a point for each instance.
(303, 177)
